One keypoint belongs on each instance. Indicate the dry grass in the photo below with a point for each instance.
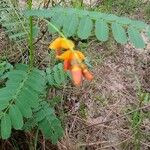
(112, 93)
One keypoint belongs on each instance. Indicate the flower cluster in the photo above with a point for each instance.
(73, 59)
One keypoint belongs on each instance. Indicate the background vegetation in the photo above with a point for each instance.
(111, 112)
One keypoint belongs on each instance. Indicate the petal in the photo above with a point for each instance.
(67, 65)
(61, 43)
(79, 55)
(67, 44)
(65, 56)
(87, 74)
(56, 44)
(76, 73)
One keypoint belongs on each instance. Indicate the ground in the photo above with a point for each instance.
(94, 114)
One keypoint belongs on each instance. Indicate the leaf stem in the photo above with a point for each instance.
(53, 26)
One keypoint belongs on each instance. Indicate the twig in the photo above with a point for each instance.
(43, 33)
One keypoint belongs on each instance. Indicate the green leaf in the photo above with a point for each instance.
(101, 30)
(57, 20)
(119, 33)
(29, 97)
(40, 115)
(57, 75)
(3, 104)
(48, 122)
(139, 24)
(135, 37)
(85, 27)
(5, 126)
(62, 73)
(124, 20)
(6, 94)
(70, 25)
(18, 35)
(39, 12)
(24, 109)
(50, 79)
(16, 117)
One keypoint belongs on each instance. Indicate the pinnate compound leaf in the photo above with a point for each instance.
(5, 126)
(119, 33)
(85, 27)
(21, 94)
(135, 37)
(101, 30)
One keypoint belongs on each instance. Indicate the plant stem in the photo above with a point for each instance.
(31, 50)
(36, 139)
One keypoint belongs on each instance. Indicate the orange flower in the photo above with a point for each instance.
(76, 73)
(70, 55)
(61, 43)
(73, 59)
(70, 58)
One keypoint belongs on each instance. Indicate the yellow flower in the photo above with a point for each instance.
(61, 43)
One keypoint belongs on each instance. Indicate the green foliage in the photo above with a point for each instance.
(45, 119)
(119, 33)
(101, 30)
(123, 29)
(57, 76)
(20, 95)
(136, 122)
(85, 27)
(14, 23)
(48, 123)
(71, 25)
(135, 37)
(21, 104)
(4, 67)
